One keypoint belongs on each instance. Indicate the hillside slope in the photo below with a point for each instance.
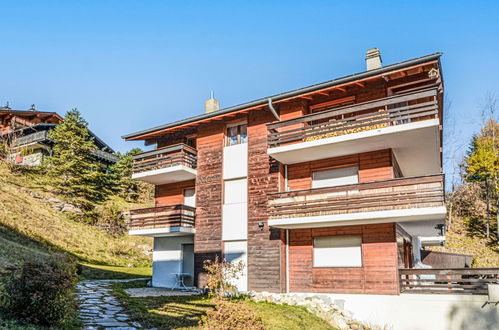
(459, 240)
(31, 228)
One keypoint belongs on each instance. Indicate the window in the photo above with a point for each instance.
(237, 134)
(190, 197)
(338, 251)
(335, 177)
(190, 141)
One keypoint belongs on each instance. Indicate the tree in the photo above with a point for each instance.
(72, 168)
(482, 164)
(121, 174)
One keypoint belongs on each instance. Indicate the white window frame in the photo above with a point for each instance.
(345, 248)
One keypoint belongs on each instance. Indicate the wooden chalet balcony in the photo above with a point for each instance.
(448, 281)
(408, 123)
(166, 165)
(30, 139)
(394, 200)
(170, 220)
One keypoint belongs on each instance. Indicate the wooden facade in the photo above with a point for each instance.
(379, 101)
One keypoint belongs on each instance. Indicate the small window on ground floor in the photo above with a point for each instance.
(338, 251)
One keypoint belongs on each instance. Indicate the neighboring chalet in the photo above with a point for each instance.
(26, 133)
(331, 188)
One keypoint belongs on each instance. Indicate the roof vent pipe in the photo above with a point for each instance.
(211, 105)
(373, 59)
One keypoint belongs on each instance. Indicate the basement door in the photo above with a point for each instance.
(236, 251)
(188, 263)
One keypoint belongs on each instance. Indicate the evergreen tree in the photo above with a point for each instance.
(72, 168)
(121, 173)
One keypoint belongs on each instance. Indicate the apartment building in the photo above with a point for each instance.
(330, 188)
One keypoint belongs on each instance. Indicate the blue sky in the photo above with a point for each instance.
(131, 65)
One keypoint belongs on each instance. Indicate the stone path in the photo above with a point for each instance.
(99, 309)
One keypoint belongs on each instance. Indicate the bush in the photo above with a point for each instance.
(230, 315)
(41, 293)
(221, 276)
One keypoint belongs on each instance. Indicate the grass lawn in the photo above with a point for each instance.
(184, 312)
(102, 272)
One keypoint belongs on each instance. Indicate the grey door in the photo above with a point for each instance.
(188, 263)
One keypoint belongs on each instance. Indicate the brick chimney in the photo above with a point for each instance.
(211, 105)
(373, 59)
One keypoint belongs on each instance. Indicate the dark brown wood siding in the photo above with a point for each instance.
(264, 246)
(378, 274)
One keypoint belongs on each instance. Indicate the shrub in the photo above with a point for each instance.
(230, 315)
(41, 293)
(221, 276)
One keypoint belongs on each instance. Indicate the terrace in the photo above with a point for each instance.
(393, 200)
(408, 123)
(165, 165)
(170, 220)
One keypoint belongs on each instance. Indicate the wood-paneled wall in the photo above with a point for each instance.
(373, 166)
(264, 244)
(208, 237)
(172, 193)
(378, 274)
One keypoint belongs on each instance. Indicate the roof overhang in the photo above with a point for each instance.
(283, 97)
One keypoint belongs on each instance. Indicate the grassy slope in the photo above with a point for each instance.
(184, 312)
(458, 240)
(30, 228)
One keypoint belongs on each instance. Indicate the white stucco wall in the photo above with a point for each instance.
(420, 311)
(167, 259)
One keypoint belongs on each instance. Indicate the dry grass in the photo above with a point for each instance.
(30, 225)
(459, 240)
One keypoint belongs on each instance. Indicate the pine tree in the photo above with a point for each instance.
(72, 168)
(121, 173)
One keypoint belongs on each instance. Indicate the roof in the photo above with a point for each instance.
(47, 126)
(7, 110)
(292, 93)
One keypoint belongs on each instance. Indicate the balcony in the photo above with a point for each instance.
(395, 200)
(407, 123)
(30, 139)
(166, 165)
(171, 220)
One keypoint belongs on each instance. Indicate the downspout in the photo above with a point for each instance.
(273, 110)
(286, 187)
(287, 260)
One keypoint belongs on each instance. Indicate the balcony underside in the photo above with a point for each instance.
(416, 146)
(426, 214)
(163, 232)
(166, 175)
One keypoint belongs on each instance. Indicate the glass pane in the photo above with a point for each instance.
(243, 133)
(232, 136)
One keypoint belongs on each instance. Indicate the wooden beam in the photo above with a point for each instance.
(358, 83)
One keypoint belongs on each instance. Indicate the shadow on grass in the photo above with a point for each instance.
(16, 248)
(168, 312)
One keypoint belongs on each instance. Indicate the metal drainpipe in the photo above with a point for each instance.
(286, 188)
(287, 260)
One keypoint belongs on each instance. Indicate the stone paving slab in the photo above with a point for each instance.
(99, 309)
(158, 292)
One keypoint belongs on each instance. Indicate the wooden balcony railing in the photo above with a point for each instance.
(389, 111)
(30, 138)
(178, 154)
(162, 217)
(400, 193)
(447, 281)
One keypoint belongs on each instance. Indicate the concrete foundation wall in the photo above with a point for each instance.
(419, 311)
(167, 259)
